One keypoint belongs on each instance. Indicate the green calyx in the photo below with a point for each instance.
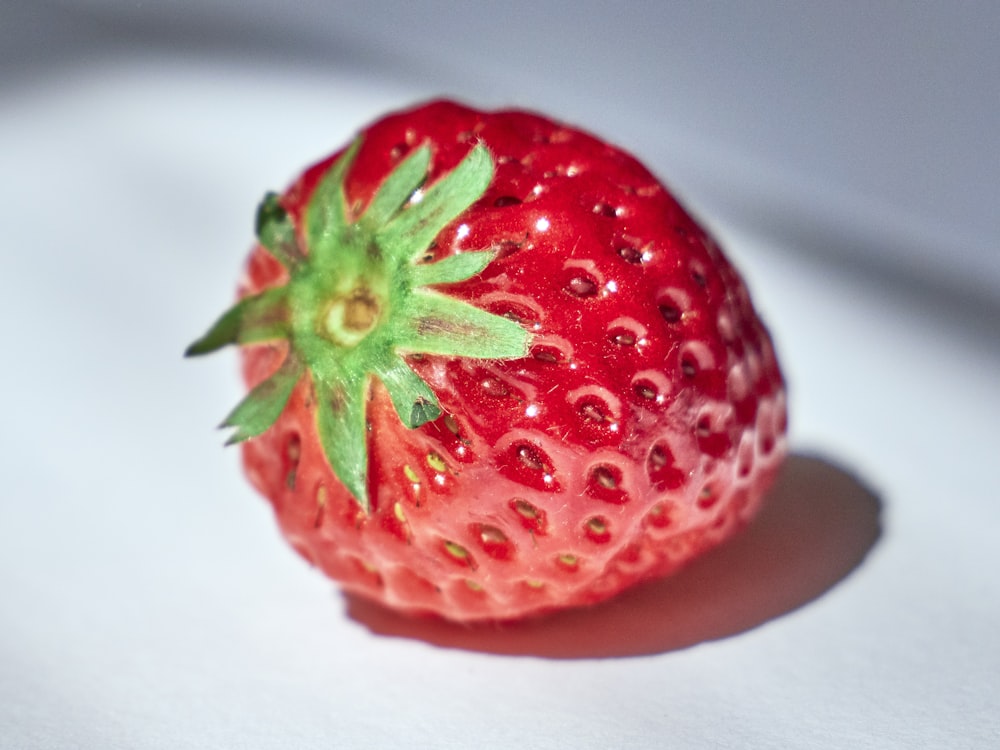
(358, 300)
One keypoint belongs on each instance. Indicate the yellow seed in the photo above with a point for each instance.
(526, 509)
(436, 462)
(491, 535)
(397, 510)
(322, 495)
(411, 474)
(597, 525)
(456, 550)
(605, 478)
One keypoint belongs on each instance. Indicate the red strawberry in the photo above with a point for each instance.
(496, 369)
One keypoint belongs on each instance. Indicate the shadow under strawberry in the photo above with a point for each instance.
(817, 526)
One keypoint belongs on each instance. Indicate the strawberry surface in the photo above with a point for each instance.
(623, 412)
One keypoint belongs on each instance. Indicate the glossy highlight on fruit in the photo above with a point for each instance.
(496, 370)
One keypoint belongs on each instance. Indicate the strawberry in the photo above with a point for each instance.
(496, 369)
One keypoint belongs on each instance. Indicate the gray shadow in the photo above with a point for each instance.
(816, 527)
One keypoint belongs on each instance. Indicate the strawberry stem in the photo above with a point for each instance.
(358, 299)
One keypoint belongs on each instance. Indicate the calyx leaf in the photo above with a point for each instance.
(359, 298)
